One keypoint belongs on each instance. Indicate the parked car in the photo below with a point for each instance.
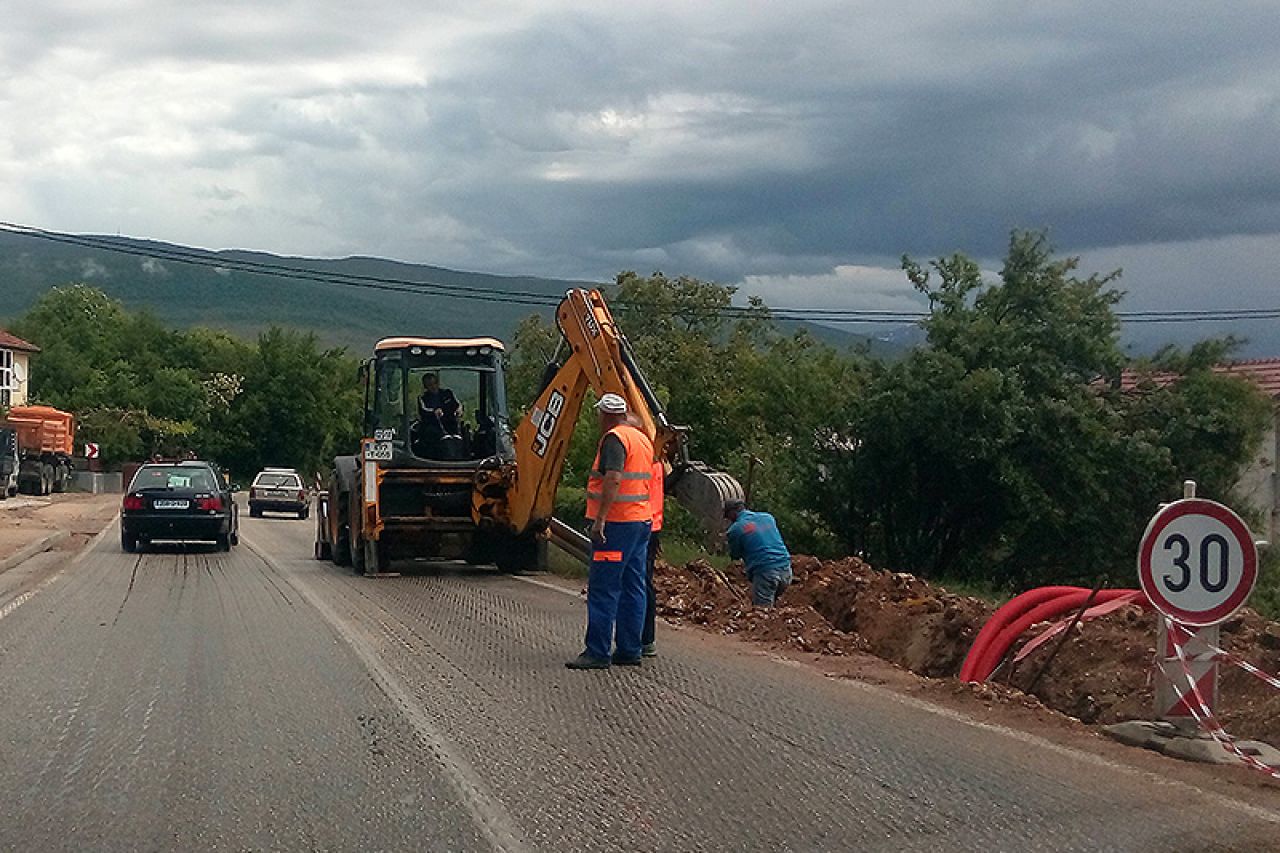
(278, 490)
(188, 501)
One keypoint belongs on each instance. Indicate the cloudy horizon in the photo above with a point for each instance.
(796, 151)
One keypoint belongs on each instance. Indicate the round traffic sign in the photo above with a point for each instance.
(1197, 562)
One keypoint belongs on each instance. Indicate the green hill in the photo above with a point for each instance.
(187, 294)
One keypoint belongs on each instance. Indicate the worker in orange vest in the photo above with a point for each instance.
(618, 504)
(648, 646)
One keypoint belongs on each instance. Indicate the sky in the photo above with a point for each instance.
(796, 149)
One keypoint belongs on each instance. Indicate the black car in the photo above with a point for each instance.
(179, 500)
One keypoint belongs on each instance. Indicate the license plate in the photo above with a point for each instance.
(171, 504)
(279, 494)
(378, 451)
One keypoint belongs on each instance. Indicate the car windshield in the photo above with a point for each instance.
(172, 477)
(276, 481)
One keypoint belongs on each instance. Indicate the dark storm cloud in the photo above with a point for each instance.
(795, 144)
(1148, 125)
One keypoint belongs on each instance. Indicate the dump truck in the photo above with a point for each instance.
(45, 441)
(9, 463)
(444, 476)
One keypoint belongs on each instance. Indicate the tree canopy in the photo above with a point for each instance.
(140, 389)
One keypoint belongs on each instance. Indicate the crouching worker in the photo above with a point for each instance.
(620, 513)
(754, 539)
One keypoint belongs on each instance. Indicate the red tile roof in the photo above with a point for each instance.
(1264, 372)
(8, 341)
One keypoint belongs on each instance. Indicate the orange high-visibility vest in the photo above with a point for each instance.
(656, 493)
(632, 502)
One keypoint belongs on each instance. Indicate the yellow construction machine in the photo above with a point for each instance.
(441, 475)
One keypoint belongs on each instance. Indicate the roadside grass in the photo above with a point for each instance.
(560, 563)
(675, 550)
(982, 590)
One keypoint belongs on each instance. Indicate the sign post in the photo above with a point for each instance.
(1197, 563)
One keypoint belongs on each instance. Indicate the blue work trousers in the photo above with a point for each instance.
(616, 589)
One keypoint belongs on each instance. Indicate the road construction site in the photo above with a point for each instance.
(261, 699)
(1101, 674)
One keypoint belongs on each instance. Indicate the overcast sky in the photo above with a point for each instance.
(798, 148)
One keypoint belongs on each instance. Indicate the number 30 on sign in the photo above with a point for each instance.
(1197, 562)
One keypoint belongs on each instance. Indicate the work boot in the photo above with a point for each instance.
(649, 650)
(586, 661)
(621, 661)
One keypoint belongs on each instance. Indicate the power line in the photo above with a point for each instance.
(834, 316)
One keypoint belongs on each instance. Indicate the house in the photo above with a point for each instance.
(1259, 486)
(15, 368)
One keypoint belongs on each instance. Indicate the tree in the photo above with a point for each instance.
(741, 387)
(140, 389)
(1004, 449)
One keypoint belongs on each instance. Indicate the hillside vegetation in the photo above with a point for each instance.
(219, 290)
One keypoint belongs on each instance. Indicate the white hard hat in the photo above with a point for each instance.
(612, 404)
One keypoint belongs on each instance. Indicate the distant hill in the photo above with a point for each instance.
(185, 294)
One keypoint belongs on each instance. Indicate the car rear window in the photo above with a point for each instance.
(276, 481)
(172, 477)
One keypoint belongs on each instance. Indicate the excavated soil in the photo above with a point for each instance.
(1101, 674)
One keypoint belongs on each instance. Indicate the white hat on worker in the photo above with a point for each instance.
(612, 404)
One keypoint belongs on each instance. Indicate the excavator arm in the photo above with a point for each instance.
(598, 357)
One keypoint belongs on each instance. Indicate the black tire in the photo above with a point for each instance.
(302, 514)
(340, 551)
(234, 538)
(128, 542)
(517, 555)
(342, 547)
(254, 512)
(355, 551)
(224, 542)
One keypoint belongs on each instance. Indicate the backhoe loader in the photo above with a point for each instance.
(442, 476)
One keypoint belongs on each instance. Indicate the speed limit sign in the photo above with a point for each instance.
(1197, 562)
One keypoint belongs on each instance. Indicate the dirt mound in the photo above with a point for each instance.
(1101, 674)
(833, 608)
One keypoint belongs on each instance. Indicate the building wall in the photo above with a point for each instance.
(23, 362)
(12, 362)
(1259, 488)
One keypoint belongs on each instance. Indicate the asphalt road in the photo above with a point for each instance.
(262, 700)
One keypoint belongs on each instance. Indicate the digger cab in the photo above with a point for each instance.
(439, 401)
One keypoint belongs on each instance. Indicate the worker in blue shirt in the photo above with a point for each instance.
(754, 539)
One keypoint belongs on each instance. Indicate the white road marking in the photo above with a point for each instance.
(491, 816)
(563, 590)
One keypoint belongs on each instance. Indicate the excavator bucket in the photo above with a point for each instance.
(703, 491)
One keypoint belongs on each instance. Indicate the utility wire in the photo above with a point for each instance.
(543, 300)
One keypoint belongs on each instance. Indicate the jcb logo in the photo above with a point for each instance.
(555, 405)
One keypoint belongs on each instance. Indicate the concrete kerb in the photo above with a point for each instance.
(25, 597)
(39, 547)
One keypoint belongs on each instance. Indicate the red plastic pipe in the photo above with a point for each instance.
(1046, 611)
(1051, 602)
(1008, 612)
